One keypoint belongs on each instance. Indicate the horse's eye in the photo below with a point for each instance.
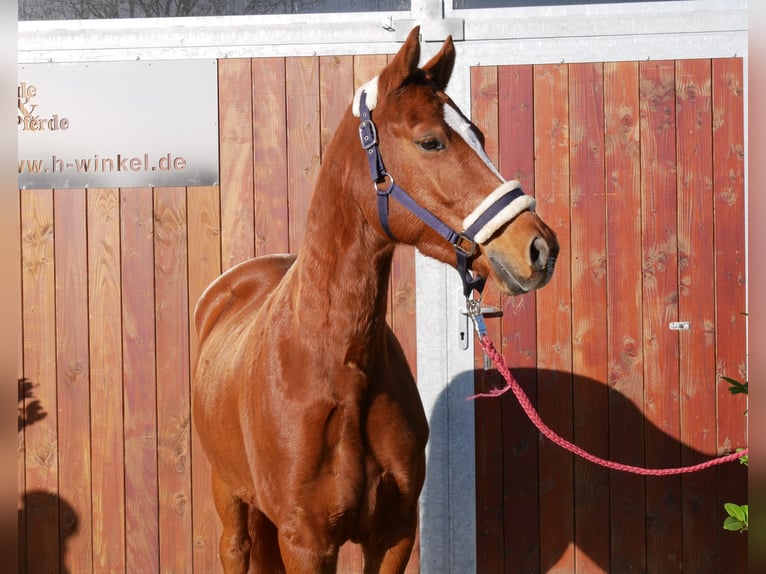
(430, 144)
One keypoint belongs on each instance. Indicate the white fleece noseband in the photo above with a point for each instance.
(510, 211)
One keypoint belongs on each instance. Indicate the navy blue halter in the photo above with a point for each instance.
(464, 242)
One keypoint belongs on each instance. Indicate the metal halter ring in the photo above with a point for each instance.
(386, 191)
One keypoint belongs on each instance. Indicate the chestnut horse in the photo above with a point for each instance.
(303, 399)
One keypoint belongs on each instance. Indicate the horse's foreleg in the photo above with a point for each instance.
(391, 559)
(303, 552)
(234, 546)
(264, 555)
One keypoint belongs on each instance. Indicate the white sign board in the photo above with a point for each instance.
(118, 124)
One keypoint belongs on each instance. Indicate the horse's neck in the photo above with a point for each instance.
(341, 275)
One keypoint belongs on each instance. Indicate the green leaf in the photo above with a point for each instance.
(732, 524)
(736, 511)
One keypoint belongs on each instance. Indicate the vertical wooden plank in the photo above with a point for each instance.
(236, 160)
(28, 408)
(731, 332)
(660, 306)
(270, 155)
(402, 312)
(622, 156)
(39, 323)
(204, 265)
(336, 90)
(589, 352)
(107, 446)
(489, 424)
(173, 399)
(139, 382)
(367, 66)
(303, 144)
(520, 462)
(554, 319)
(697, 305)
(73, 379)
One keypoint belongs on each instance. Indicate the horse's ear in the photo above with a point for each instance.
(441, 65)
(404, 64)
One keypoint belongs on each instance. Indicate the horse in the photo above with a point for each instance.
(303, 400)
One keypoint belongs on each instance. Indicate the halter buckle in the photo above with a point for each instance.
(368, 134)
(464, 245)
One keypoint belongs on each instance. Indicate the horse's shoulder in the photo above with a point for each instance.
(248, 280)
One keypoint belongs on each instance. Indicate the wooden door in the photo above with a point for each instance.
(639, 168)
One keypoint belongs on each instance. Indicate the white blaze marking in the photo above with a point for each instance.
(458, 123)
(522, 203)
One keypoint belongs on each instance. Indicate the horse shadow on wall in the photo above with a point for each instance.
(533, 496)
(41, 512)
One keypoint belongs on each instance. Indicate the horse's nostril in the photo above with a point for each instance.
(538, 253)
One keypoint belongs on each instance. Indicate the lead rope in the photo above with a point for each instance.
(474, 311)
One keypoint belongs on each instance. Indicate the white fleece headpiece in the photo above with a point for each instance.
(371, 88)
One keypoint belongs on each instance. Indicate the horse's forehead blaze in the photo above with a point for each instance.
(461, 126)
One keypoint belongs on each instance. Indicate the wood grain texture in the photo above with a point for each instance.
(107, 445)
(72, 361)
(303, 141)
(173, 384)
(139, 381)
(622, 156)
(236, 160)
(204, 265)
(651, 228)
(697, 305)
(731, 332)
(41, 499)
(554, 319)
(520, 468)
(659, 237)
(489, 413)
(270, 155)
(589, 303)
(336, 90)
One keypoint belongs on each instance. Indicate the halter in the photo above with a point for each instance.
(497, 209)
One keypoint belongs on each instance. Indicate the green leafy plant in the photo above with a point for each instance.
(737, 519)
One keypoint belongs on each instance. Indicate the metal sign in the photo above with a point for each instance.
(118, 124)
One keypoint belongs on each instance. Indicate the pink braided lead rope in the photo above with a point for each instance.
(526, 404)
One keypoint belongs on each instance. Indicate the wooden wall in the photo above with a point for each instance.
(639, 167)
(111, 475)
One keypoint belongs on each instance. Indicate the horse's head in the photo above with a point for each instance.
(436, 155)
